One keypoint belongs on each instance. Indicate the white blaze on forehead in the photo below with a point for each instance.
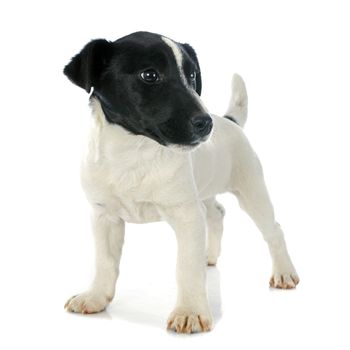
(178, 57)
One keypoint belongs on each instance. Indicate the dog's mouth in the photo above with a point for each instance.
(186, 138)
(199, 140)
(169, 141)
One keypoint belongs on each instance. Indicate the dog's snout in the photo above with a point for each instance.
(202, 125)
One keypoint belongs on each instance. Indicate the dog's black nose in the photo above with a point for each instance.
(202, 125)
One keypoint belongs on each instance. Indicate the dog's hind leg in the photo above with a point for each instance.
(109, 238)
(250, 189)
(215, 215)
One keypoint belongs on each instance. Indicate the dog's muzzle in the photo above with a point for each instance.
(195, 131)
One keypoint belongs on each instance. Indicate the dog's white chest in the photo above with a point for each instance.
(128, 177)
(126, 195)
(132, 211)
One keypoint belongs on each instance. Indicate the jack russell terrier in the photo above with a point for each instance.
(155, 153)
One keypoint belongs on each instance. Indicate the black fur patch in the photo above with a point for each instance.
(85, 68)
(231, 118)
(190, 51)
(163, 110)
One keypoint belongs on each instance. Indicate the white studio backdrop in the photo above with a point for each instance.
(294, 57)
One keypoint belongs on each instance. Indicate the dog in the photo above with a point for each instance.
(156, 153)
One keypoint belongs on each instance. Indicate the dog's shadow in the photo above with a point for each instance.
(137, 307)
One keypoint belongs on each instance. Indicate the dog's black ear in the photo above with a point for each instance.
(190, 51)
(85, 68)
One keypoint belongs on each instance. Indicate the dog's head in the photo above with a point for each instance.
(146, 83)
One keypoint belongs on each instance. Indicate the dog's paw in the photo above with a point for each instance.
(87, 303)
(284, 280)
(182, 321)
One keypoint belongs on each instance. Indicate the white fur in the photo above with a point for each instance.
(238, 106)
(130, 178)
(178, 57)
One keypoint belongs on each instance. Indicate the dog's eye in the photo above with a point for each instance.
(150, 76)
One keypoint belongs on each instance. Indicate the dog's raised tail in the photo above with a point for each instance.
(238, 108)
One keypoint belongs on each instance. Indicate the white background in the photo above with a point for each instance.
(295, 59)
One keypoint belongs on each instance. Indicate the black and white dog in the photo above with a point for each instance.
(155, 153)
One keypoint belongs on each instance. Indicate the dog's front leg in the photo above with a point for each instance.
(191, 313)
(109, 238)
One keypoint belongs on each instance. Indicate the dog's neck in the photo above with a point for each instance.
(125, 146)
